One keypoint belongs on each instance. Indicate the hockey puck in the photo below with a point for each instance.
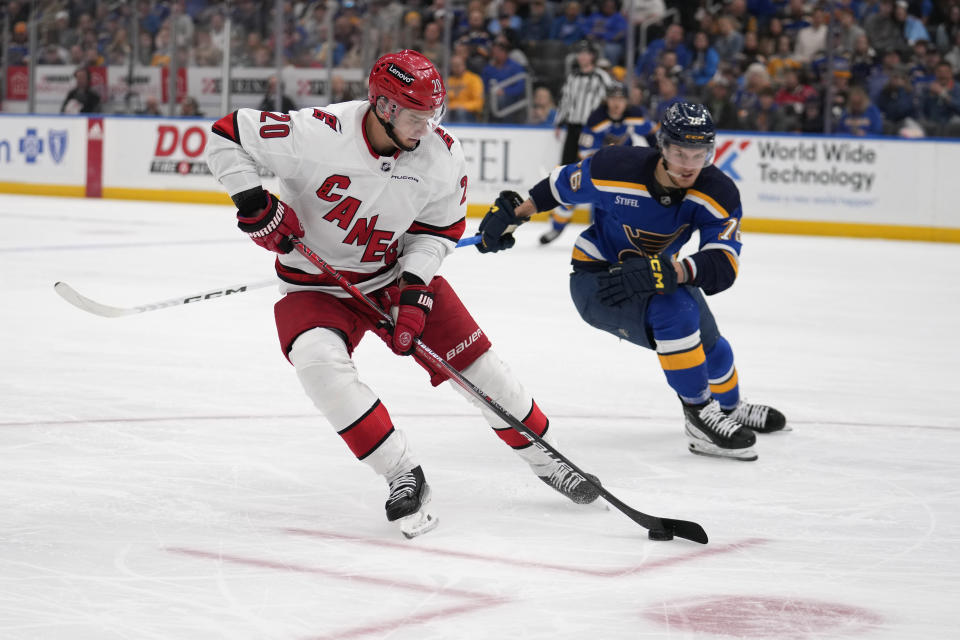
(660, 534)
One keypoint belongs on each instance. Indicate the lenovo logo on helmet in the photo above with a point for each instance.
(400, 74)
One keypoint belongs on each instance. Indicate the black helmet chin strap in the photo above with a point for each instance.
(388, 127)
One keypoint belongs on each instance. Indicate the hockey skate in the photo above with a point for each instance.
(710, 432)
(409, 495)
(571, 484)
(550, 235)
(758, 417)
(562, 477)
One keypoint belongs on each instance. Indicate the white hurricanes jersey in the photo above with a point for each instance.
(369, 216)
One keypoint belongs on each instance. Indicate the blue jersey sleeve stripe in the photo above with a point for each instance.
(618, 186)
(554, 177)
(585, 250)
(709, 203)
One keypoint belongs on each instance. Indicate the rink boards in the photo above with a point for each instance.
(813, 185)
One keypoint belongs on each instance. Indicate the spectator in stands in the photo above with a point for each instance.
(794, 91)
(717, 100)
(501, 98)
(896, 102)
(671, 41)
(766, 114)
(946, 32)
(340, 91)
(668, 92)
(19, 50)
(940, 103)
(571, 27)
(269, 102)
(190, 108)
(751, 53)
(65, 35)
(862, 58)
(544, 110)
(83, 98)
(53, 53)
(883, 31)
(729, 40)
(151, 107)
(880, 74)
(464, 92)
(608, 30)
(539, 22)
(861, 117)
(813, 38)
(145, 50)
(782, 59)
(704, 62)
(745, 97)
(811, 118)
(432, 45)
(953, 55)
(478, 41)
(205, 54)
(847, 27)
(507, 21)
(913, 28)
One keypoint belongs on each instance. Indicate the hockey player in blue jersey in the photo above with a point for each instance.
(613, 122)
(629, 281)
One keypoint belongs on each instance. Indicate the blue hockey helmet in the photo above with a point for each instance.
(688, 124)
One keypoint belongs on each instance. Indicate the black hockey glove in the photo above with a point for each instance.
(637, 276)
(496, 229)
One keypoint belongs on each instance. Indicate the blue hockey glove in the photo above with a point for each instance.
(636, 277)
(496, 229)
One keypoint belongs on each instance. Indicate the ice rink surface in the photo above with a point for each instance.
(163, 476)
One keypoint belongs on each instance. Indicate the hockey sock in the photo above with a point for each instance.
(685, 366)
(723, 374)
(329, 378)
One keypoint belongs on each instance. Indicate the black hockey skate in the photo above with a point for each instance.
(409, 494)
(757, 417)
(570, 483)
(710, 432)
(550, 235)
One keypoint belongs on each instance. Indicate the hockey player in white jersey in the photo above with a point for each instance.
(379, 190)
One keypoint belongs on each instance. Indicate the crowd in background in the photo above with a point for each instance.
(759, 65)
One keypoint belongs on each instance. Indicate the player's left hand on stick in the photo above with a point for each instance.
(410, 308)
(636, 276)
(496, 229)
(269, 221)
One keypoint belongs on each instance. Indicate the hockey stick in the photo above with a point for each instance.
(81, 301)
(660, 528)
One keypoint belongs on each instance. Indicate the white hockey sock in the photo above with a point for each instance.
(330, 379)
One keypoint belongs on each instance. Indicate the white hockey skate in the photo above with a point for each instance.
(409, 495)
(710, 432)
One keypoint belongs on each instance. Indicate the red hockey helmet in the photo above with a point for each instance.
(408, 79)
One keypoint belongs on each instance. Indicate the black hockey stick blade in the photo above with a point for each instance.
(663, 528)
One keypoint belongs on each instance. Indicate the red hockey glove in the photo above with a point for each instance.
(413, 303)
(270, 225)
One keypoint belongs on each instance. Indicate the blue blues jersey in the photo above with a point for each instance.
(601, 130)
(633, 214)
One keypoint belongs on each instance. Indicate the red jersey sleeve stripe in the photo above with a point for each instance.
(453, 232)
(296, 276)
(227, 127)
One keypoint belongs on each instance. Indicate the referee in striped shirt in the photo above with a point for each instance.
(583, 92)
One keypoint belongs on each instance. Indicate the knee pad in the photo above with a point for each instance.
(329, 377)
